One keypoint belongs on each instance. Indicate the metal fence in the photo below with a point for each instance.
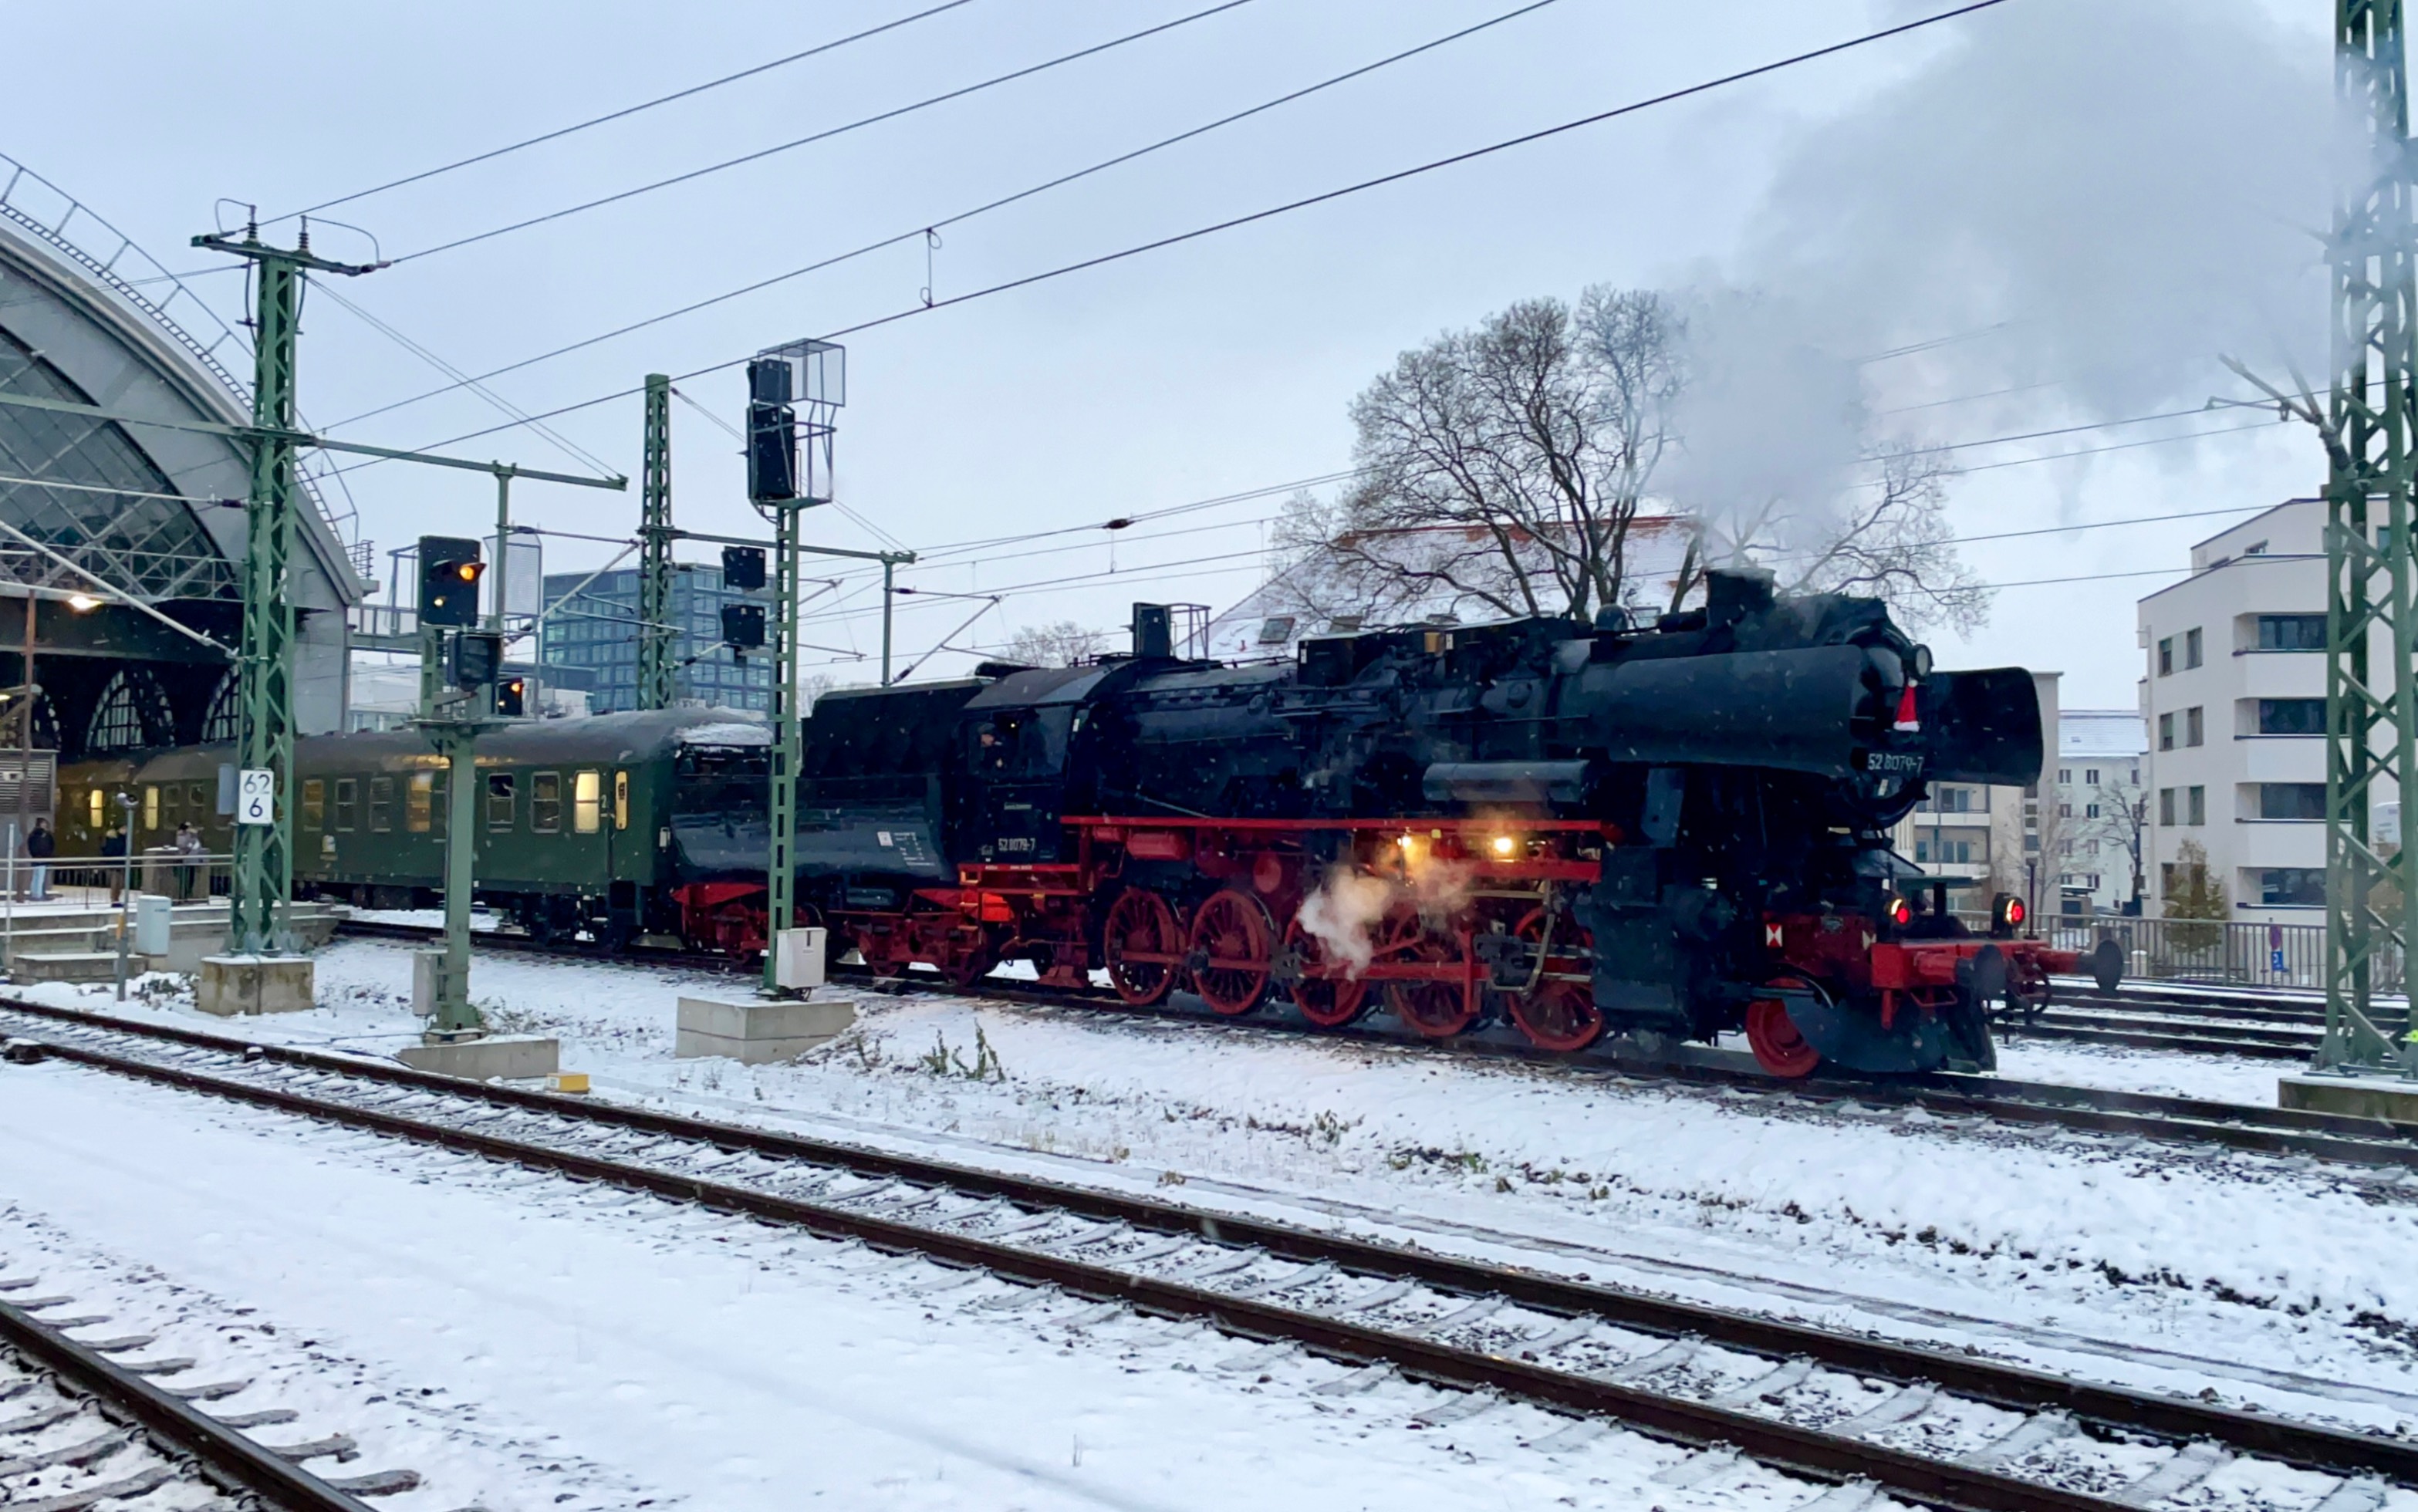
(89, 880)
(2207, 950)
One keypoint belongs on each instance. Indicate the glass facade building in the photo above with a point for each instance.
(599, 631)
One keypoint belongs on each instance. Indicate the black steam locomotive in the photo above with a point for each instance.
(1678, 828)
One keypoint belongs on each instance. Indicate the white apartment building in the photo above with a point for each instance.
(2234, 702)
(2100, 768)
(1991, 835)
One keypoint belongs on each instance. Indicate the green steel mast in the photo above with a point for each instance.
(264, 853)
(655, 630)
(2371, 723)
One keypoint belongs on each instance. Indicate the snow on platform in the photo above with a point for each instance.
(2274, 1283)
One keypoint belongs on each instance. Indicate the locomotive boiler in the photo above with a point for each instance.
(1676, 829)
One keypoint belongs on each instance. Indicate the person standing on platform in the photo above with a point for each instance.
(188, 845)
(113, 856)
(40, 846)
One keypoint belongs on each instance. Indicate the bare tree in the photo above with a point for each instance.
(1502, 468)
(2124, 822)
(1503, 471)
(1063, 644)
(1895, 545)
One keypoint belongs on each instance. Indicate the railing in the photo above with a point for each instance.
(96, 881)
(2212, 951)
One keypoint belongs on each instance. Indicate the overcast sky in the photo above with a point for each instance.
(1225, 365)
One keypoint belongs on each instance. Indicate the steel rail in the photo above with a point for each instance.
(235, 1462)
(1965, 1376)
(2255, 1128)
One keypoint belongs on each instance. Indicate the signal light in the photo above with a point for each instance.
(742, 626)
(511, 697)
(477, 658)
(1900, 910)
(742, 567)
(450, 569)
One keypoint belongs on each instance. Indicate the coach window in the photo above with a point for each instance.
(151, 806)
(348, 798)
(438, 814)
(381, 803)
(499, 801)
(314, 804)
(545, 803)
(588, 801)
(169, 794)
(416, 801)
(196, 801)
(98, 805)
(620, 799)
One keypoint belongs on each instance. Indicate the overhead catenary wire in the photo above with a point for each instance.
(1307, 201)
(825, 134)
(627, 111)
(961, 216)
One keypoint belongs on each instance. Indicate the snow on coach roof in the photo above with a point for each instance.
(731, 733)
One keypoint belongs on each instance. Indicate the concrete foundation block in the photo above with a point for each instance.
(66, 966)
(502, 1058)
(231, 985)
(2385, 1097)
(756, 1031)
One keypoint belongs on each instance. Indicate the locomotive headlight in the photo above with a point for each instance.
(1406, 842)
(2007, 914)
(1505, 844)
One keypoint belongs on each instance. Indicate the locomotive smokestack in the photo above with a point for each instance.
(1154, 631)
(1732, 593)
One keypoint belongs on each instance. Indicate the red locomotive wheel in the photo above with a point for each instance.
(1559, 1015)
(1233, 946)
(1779, 1046)
(1328, 1002)
(1438, 1010)
(1142, 945)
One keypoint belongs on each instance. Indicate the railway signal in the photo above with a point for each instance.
(450, 569)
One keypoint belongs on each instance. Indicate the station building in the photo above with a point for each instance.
(128, 537)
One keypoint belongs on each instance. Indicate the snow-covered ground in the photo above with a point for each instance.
(2276, 1283)
(529, 1342)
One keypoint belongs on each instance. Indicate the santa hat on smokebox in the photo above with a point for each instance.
(1907, 720)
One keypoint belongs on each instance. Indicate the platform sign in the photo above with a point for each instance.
(2275, 961)
(255, 800)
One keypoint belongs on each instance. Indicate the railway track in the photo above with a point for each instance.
(1934, 1428)
(2286, 1132)
(2211, 1022)
(85, 1423)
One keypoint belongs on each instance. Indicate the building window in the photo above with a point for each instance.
(2197, 806)
(417, 801)
(2292, 800)
(1946, 852)
(2090, 811)
(2091, 776)
(2191, 648)
(2194, 728)
(2291, 716)
(2065, 811)
(587, 802)
(2165, 732)
(499, 801)
(2166, 657)
(2291, 633)
(2136, 778)
(2292, 887)
(314, 804)
(2064, 775)
(2167, 806)
(349, 797)
(381, 803)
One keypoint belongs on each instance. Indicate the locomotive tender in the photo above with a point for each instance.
(1677, 828)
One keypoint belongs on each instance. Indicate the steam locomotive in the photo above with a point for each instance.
(1676, 829)
(1673, 829)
